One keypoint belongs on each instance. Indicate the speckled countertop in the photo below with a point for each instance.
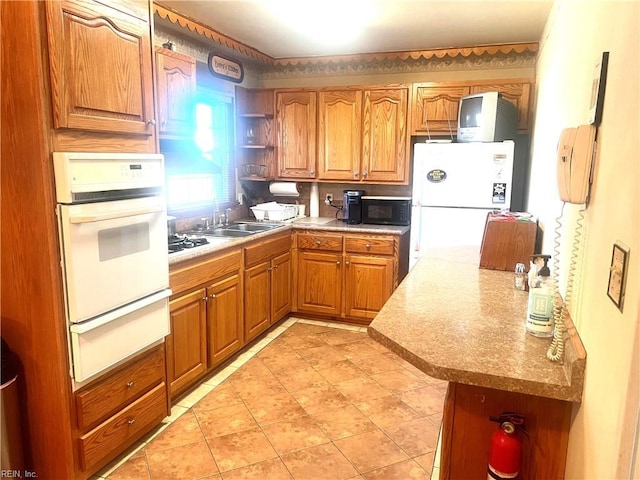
(463, 324)
(306, 223)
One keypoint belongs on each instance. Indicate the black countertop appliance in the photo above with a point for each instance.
(352, 206)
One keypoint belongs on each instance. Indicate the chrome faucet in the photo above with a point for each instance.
(227, 214)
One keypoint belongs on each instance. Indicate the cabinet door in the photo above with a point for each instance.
(280, 287)
(370, 284)
(296, 124)
(320, 282)
(224, 319)
(176, 89)
(384, 141)
(186, 346)
(339, 134)
(100, 65)
(517, 93)
(435, 109)
(257, 307)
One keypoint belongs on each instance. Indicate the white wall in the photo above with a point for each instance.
(602, 437)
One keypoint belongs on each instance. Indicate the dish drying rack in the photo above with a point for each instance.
(275, 212)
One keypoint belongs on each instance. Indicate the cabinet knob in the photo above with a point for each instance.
(131, 421)
(364, 174)
(368, 245)
(317, 242)
(355, 174)
(347, 263)
(164, 123)
(269, 269)
(276, 266)
(152, 121)
(338, 262)
(130, 384)
(312, 172)
(213, 295)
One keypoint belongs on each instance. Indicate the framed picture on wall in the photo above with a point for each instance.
(597, 89)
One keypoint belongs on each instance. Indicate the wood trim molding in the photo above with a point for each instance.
(230, 43)
(412, 55)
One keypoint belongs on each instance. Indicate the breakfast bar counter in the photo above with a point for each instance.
(457, 322)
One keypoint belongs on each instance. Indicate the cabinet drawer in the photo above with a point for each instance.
(191, 274)
(124, 428)
(262, 251)
(376, 246)
(107, 396)
(319, 241)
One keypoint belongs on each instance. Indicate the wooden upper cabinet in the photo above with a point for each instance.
(385, 135)
(176, 82)
(435, 108)
(100, 66)
(296, 125)
(517, 93)
(339, 134)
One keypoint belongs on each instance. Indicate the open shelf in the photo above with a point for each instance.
(256, 115)
(256, 147)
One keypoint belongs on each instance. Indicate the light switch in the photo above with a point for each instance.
(618, 274)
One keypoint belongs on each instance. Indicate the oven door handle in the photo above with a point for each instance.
(120, 312)
(75, 219)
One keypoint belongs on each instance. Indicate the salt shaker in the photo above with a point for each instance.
(520, 278)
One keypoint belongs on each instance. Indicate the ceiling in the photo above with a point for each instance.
(301, 28)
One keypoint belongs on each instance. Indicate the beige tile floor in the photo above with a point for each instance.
(312, 400)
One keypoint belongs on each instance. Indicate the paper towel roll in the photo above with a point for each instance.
(284, 189)
(314, 201)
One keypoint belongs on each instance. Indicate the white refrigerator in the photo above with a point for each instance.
(455, 186)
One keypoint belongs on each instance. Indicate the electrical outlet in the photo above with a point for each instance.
(328, 199)
(618, 274)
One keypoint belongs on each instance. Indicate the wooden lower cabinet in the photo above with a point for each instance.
(224, 319)
(186, 345)
(320, 283)
(257, 308)
(467, 431)
(207, 320)
(370, 284)
(345, 276)
(116, 410)
(267, 284)
(281, 276)
(268, 294)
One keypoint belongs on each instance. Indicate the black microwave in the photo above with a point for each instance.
(386, 210)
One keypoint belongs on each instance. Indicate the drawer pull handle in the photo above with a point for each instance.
(130, 384)
(269, 269)
(368, 245)
(131, 421)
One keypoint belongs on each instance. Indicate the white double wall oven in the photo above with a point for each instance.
(113, 242)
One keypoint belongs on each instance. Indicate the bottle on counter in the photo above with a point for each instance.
(540, 309)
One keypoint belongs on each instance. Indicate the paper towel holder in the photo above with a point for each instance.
(284, 189)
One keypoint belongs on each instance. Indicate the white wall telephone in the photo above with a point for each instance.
(575, 155)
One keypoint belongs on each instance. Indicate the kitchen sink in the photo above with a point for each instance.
(225, 232)
(252, 227)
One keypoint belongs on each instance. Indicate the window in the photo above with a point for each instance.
(201, 171)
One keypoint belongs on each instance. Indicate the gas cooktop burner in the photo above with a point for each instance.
(180, 242)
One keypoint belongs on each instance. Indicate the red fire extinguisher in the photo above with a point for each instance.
(506, 446)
